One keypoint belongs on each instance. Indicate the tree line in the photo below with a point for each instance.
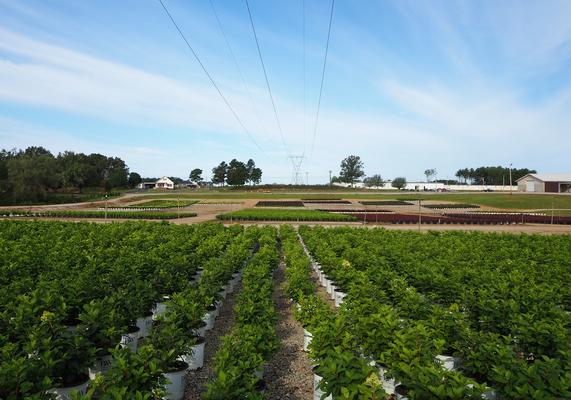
(236, 173)
(33, 174)
(492, 175)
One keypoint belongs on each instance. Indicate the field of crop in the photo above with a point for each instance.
(127, 309)
(445, 315)
(283, 215)
(159, 204)
(95, 214)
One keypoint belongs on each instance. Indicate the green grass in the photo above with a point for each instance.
(284, 215)
(163, 204)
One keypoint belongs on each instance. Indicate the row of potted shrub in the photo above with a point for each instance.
(94, 214)
(239, 362)
(54, 332)
(339, 370)
(384, 312)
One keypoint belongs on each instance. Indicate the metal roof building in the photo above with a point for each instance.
(545, 183)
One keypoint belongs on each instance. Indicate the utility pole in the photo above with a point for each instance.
(419, 213)
(330, 183)
(105, 206)
(307, 178)
(510, 178)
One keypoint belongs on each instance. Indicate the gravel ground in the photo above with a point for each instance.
(196, 380)
(288, 374)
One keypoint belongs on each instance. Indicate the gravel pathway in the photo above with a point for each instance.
(196, 380)
(288, 375)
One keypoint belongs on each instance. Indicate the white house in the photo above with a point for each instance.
(164, 183)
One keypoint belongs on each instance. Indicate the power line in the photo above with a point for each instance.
(322, 78)
(266, 77)
(209, 76)
(235, 60)
(304, 76)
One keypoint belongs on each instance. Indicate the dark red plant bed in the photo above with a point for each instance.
(463, 219)
(279, 203)
(355, 210)
(327, 201)
(386, 203)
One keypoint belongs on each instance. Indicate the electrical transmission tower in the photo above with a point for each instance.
(296, 175)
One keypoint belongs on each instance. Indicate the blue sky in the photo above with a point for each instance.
(409, 85)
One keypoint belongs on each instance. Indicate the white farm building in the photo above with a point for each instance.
(163, 183)
(545, 183)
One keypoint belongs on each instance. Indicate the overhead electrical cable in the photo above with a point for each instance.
(304, 75)
(267, 80)
(322, 78)
(235, 60)
(210, 76)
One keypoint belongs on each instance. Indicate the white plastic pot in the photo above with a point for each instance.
(144, 324)
(448, 362)
(339, 298)
(209, 320)
(259, 373)
(195, 359)
(389, 384)
(130, 339)
(332, 293)
(66, 392)
(318, 393)
(160, 308)
(102, 364)
(201, 332)
(307, 336)
(176, 383)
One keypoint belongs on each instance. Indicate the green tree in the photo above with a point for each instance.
(134, 179)
(256, 176)
(399, 183)
(195, 175)
(351, 169)
(374, 181)
(250, 165)
(219, 173)
(237, 173)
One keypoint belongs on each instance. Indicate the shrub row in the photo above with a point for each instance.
(250, 344)
(386, 203)
(284, 215)
(94, 214)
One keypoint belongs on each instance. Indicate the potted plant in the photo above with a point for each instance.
(101, 327)
(171, 343)
(66, 354)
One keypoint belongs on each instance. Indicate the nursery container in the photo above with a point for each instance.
(195, 359)
(130, 339)
(144, 324)
(318, 393)
(209, 320)
(328, 284)
(339, 298)
(160, 308)
(200, 331)
(64, 393)
(333, 291)
(307, 336)
(176, 382)
(259, 373)
(490, 393)
(448, 362)
(389, 384)
(101, 365)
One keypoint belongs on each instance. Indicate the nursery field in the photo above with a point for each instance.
(443, 315)
(125, 310)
